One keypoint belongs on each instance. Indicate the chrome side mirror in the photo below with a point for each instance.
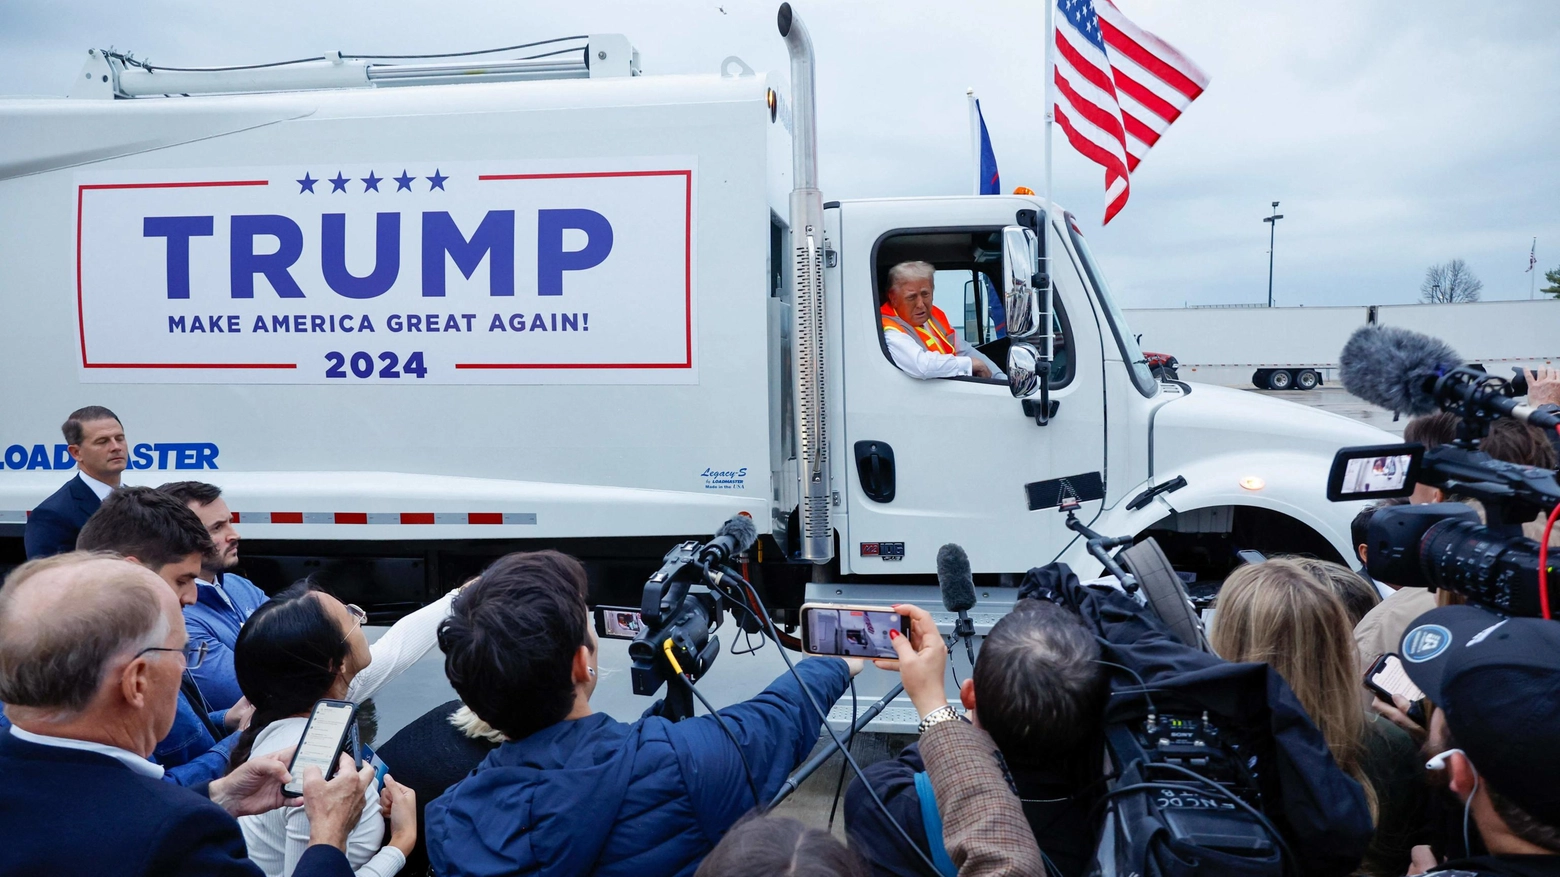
(1020, 268)
(1023, 368)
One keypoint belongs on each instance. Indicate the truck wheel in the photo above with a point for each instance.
(1307, 380)
(1164, 591)
(1279, 379)
(1259, 378)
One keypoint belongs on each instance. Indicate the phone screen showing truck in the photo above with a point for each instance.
(855, 633)
(321, 742)
(1374, 472)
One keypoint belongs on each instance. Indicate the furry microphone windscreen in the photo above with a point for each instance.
(742, 531)
(1395, 368)
(954, 578)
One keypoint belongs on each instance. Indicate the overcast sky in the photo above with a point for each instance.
(1395, 134)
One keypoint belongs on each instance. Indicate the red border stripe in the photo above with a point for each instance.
(81, 318)
(351, 517)
(485, 518)
(287, 517)
(417, 517)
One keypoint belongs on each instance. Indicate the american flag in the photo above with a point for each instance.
(1532, 257)
(1119, 88)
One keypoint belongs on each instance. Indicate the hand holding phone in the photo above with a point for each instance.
(851, 631)
(1387, 679)
(327, 735)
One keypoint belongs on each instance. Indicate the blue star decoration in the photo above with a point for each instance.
(371, 182)
(306, 184)
(436, 181)
(403, 182)
(338, 183)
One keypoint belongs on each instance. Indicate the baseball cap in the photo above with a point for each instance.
(1497, 679)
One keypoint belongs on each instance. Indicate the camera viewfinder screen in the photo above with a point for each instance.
(857, 633)
(1376, 474)
(619, 622)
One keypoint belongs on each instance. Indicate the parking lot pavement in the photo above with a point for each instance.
(1337, 400)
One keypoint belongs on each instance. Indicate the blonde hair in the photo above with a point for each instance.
(1280, 614)
(910, 271)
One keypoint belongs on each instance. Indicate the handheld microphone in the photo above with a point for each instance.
(957, 584)
(1411, 373)
(734, 537)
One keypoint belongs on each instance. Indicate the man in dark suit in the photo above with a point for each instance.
(97, 443)
(91, 652)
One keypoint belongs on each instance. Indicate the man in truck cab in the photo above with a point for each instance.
(920, 339)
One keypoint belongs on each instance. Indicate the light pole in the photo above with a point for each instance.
(1272, 222)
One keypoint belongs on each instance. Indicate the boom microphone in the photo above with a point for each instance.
(957, 584)
(1395, 368)
(734, 537)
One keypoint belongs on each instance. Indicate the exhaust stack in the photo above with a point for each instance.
(816, 493)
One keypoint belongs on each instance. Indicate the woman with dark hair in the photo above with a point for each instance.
(300, 647)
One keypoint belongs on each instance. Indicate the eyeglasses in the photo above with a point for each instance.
(357, 613)
(194, 653)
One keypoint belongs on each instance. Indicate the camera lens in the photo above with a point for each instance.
(1497, 571)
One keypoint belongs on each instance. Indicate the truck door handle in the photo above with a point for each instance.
(875, 468)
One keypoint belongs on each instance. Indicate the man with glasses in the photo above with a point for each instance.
(160, 533)
(91, 655)
(224, 600)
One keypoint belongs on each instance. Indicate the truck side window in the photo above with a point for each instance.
(967, 265)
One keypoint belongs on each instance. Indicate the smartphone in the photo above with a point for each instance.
(327, 735)
(618, 622)
(850, 631)
(1249, 556)
(1387, 677)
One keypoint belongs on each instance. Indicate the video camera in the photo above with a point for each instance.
(1445, 545)
(679, 614)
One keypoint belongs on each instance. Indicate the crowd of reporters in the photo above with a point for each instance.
(154, 698)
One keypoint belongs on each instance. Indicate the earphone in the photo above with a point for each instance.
(1439, 763)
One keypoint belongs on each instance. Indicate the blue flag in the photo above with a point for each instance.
(990, 184)
(990, 180)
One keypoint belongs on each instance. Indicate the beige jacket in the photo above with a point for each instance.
(984, 828)
(1381, 630)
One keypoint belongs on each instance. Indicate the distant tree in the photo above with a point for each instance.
(1450, 282)
(1554, 283)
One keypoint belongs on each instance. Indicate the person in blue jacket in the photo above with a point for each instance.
(224, 600)
(576, 792)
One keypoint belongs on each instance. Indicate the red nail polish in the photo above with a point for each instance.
(893, 634)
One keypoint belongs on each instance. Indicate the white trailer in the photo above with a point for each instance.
(410, 318)
(1297, 348)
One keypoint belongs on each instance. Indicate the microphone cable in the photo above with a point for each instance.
(747, 771)
(762, 615)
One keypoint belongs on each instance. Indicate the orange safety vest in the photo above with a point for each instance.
(936, 336)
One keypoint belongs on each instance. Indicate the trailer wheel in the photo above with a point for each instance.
(1164, 591)
(1259, 378)
(1307, 380)
(1279, 379)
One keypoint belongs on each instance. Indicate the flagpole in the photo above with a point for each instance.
(969, 98)
(1045, 225)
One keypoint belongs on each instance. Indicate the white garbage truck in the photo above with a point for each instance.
(412, 315)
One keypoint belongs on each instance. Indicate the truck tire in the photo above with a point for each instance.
(1280, 379)
(1259, 378)
(1307, 379)
(1164, 592)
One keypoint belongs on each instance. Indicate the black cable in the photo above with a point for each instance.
(823, 717)
(1283, 845)
(850, 740)
(747, 771)
(1142, 689)
(152, 68)
(477, 52)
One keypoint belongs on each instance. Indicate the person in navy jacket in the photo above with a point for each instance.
(160, 533)
(96, 442)
(223, 600)
(91, 654)
(574, 792)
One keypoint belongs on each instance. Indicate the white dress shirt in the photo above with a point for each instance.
(276, 840)
(918, 362)
(123, 756)
(102, 490)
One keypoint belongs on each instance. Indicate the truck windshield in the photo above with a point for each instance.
(1137, 364)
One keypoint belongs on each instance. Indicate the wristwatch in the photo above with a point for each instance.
(941, 714)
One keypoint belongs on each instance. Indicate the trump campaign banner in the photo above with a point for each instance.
(414, 272)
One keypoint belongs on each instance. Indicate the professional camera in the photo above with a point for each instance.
(679, 614)
(1445, 545)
